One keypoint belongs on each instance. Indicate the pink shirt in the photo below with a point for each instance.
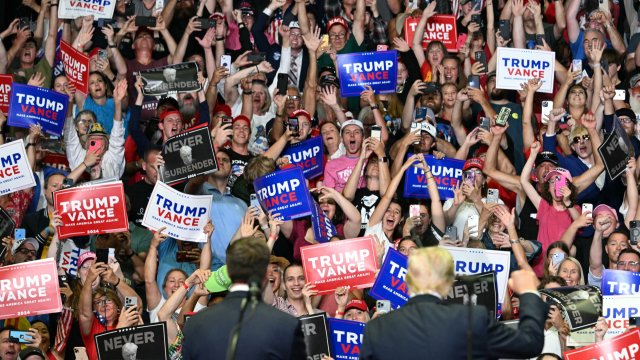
(337, 172)
(552, 224)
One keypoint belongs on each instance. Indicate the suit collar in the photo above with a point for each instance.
(425, 298)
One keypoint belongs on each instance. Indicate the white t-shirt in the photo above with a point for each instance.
(381, 236)
(153, 313)
(465, 210)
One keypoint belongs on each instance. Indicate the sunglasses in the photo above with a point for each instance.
(577, 139)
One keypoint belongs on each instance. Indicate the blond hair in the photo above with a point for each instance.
(430, 269)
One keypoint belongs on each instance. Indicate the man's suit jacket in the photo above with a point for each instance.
(267, 334)
(426, 329)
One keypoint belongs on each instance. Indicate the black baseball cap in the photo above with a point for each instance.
(28, 351)
(626, 112)
(547, 156)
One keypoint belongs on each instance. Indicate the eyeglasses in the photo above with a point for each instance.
(577, 139)
(625, 120)
(104, 302)
(296, 35)
(25, 251)
(623, 264)
(85, 121)
(293, 97)
(339, 36)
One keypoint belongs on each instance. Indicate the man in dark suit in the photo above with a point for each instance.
(266, 332)
(426, 329)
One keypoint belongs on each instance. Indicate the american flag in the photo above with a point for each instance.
(274, 25)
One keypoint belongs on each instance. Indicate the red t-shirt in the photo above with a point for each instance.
(96, 328)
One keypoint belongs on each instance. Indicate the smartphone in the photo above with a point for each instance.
(382, 47)
(19, 234)
(493, 195)
(102, 54)
(476, 19)
(206, 23)
(130, 9)
(227, 120)
(130, 301)
(416, 128)
(225, 60)
(481, 57)
(147, 21)
(545, 113)
(20, 337)
(376, 132)
(474, 81)
(159, 4)
(324, 41)
(557, 258)
(414, 211)
(102, 255)
(539, 40)
(104, 22)
(421, 114)
(256, 57)
(96, 144)
(25, 22)
(470, 177)
(586, 207)
(452, 232)
(294, 126)
(485, 123)
(633, 321)
(505, 29)
(283, 83)
(503, 116)
(635, 232)
(620, 94)
(383, 306)
(560, 183)
(254, 201)
(603, 5)
(576, 65)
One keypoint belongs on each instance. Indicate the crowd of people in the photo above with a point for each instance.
(534, 185)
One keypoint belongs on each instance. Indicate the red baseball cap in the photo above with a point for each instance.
(301, 112)
(223, 108)
(241, 118)
(338, 20)
(170, 112)
(473, 163)
(356, 304)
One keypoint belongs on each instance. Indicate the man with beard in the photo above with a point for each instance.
(188, 108)
(596, 20)
(498, 100)
(26, 48)
(337, 171)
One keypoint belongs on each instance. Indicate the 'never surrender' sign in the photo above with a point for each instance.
(284, 192)
(517, 66)
(307, 155)
(376, 69)
(183, 215)
(149, 341)
(350, 263)
(91, 209)
(15, 171)
(35, 105)
(187, 155)
(29, 288)
(390, 283)
(446, 173)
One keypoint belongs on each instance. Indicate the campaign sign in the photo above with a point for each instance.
(5, 92)
(137, 342)
(581, 305)
(15, 171)
(346, 338)
(376, 69)
(483, 292)
(307, 155)
(72, 9)
(620, 282)
(35, 105)
(69, 258)
(475, 261)
(316, 335)
(390, 283)
(76, 66)
(323, 228)
(187, 155)
(615, 151)
(446, 173)
(30, 288)
(183, 215)
(171, 78)
(284, 192)
(91, 209)
(442, 28)
(340, 263)
(617, 309)
(517, 66)
(625, 346)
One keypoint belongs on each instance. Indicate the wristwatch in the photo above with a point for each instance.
(514, 241)
(383, 159)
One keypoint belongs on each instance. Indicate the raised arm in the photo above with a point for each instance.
(416, 43)
(358, 22)
(353, 222)
(50, 44)
(573, 27)
(152, 290)
(531, 192)
(385, 201)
